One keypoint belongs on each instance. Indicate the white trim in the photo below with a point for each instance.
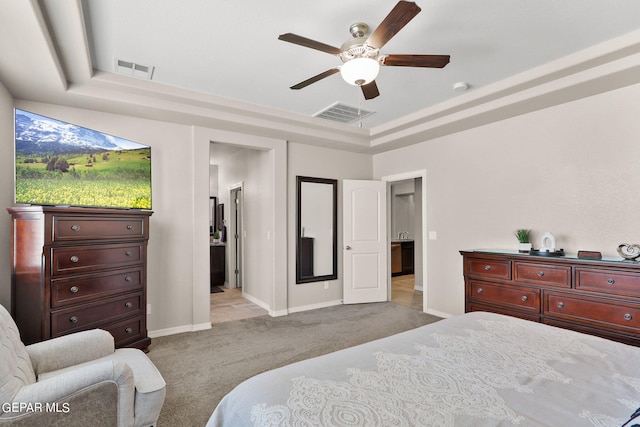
(315, 306)
(420, 173)
(439, 313)
(179, 330)
(278, 313)
(256, 301)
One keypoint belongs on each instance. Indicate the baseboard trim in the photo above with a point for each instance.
(256, 301)
(179, 329)
(438, 313)
(314, 306)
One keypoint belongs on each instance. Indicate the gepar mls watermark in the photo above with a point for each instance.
(29, 407)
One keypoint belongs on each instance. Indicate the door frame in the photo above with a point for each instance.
(233, 261)
(420, 173)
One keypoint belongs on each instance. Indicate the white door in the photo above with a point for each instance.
(364, 241)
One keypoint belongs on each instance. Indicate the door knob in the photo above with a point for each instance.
(348, 247)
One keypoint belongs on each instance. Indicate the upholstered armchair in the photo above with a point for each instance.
(75, 380)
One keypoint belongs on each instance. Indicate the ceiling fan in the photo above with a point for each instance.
(361, 55)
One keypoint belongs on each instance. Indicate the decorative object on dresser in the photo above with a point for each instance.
(628, 251)
(522, 235)
(599, 297)
(76, 269)
(547, 246)
(589, 255)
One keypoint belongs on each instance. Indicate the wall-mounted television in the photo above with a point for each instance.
(62, 164)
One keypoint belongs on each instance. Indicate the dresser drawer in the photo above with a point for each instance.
(519, 297)
(598, 312)
(609, 281)
(77, 259)
(78, 289)
(534, 317)
(93, 315)
(542, 274)
(490, 268)
(71, 229)
(127, 331)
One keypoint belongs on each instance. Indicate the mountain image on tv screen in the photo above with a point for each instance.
(58, 163)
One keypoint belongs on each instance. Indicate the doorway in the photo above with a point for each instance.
(407, 230)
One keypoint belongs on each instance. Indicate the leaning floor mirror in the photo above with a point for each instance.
(317, 237)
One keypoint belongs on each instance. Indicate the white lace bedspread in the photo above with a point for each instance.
(477, 369)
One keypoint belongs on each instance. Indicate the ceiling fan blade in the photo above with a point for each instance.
(303, 41)
(315, 78)
(432, 61)
(399, 16)
(370, 90)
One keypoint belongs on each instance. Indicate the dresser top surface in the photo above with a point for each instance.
(616, 260)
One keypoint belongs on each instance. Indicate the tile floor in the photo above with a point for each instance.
(402, 292)
(230, 305)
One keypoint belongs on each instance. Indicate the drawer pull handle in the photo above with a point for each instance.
(74, 289)
(628, 316)
(480, 290)
(74, 259)
(487, 267)
(128, 330)
(75, 227)
(611, 281)
(524, 298)
(540, 273)
(73, 319)
(128, 253)
(127, 278)
(129, 227)
(128, 304)
(560, 304)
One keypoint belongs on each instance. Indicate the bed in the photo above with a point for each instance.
(476, 369)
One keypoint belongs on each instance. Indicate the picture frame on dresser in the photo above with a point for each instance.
(595, 296)
(76, 269)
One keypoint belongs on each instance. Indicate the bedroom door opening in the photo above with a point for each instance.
(407, 237)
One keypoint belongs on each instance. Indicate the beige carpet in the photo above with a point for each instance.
(201, 367)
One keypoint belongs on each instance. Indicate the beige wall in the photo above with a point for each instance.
(170, 276)
(307, 160)
(569, 169)
(6, 193)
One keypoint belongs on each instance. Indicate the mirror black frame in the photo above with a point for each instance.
(300, 278)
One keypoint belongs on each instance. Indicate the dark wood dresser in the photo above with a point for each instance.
(75, 269)
(598, 297)
(217, 264)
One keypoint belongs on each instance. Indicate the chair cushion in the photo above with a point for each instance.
(16, 370)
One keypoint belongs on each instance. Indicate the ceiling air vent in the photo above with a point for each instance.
(343, 113)
(133, 69)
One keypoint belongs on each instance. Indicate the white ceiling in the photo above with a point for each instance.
(231, 48)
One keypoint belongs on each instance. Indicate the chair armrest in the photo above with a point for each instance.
(69, 350)
(60, 388)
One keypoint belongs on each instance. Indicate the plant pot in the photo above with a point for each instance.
(524, 247)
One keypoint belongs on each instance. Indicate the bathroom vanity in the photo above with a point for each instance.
(402, 257)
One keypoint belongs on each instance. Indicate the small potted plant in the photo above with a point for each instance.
(216, 236)
(524, 245)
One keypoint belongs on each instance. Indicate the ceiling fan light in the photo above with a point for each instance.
(360, 71)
